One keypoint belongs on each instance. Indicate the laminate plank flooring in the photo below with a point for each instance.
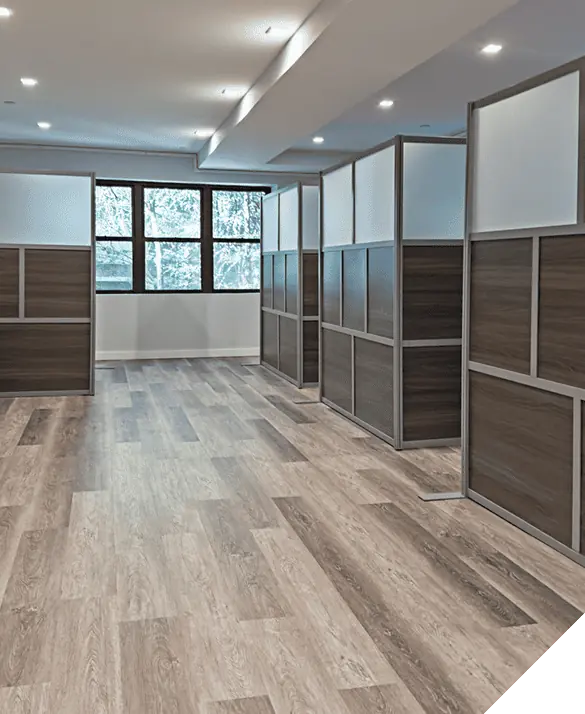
(203, 538)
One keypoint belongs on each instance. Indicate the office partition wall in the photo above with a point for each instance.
(524, 324)
(46, 284)
(391, 290)
(289, 301)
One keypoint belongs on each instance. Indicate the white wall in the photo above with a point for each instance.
(170, 325)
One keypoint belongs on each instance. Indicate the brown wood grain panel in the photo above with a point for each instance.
(9, 282)
(337, 368)
(332, 287)
(583, 477)
(311, 284)
(354, 289)
(57, 283)
(501, 279)
(288, 347)
(432, 393)
(279, 281)
(37, 358)
(381, 291)
(561, 331)
(292, 283)
(374, 386)
(269, 339)
(267, 280)
(521, 449)
(310, 352)
(432, 292)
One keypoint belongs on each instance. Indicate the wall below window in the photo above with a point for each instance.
(175, 325)
(159, 326)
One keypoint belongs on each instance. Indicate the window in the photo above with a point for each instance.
(113, 224)
(237, 222)
(175, 238)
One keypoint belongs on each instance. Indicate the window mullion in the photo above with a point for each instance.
(138, 238)
(206, 240)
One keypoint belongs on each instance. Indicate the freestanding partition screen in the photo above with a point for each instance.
(289, 305)
(524, 324)
(46, 284)
(391, 290)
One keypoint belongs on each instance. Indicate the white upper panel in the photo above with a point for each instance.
(311, 217)
(374, 197)
(433, 191)
(338, 207)
(270, 223)
(289, 219)
(526, 155)
(45, 209)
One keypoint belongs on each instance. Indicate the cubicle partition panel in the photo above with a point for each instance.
(46, 284)
(289, 301)
(391, 266)
(524, 325)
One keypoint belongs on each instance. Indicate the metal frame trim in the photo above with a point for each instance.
(534, 317)
(49, 393)
(359, 246)
(433, 243)
(356, 420)
(397, 395)
(567, 229)
(389, 341)
(577, 474)
(21, 284)
(353, 371)
(446, 342)
(528, 380)
(526, 527)
(430, 443)
(278, 373)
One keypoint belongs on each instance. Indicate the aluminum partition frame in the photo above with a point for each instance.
(531, 379)
(21, 297)
(300, 316)
(397, 342)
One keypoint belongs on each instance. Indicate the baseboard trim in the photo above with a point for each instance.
(177, 354)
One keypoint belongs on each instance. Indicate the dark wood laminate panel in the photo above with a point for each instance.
(521, 446)
(354, 289)
(9, 282)
(501, 279)
(381, 291)
(57, 283)
(269, 339)
(337, 368)
(432, 292)
(292, 283)
(332, 287)
(310, 352)
(288, 347)
(279, 281)
(373, 385)
(311, 284)
(583, 478)
(432, 393)
(561, 332)
(267, 281)
(37, 358)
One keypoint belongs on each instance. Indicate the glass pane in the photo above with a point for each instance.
(172, 213)
(113, 211)
(236, 267)
(173, 266)
(237, 214)
(113, 265)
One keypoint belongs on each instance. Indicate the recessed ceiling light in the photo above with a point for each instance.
(43, 125)
(492, 49)
(5, 12)
(9, 101)
(318, 140)
(204, 133)
(29, 81)
(386, 103)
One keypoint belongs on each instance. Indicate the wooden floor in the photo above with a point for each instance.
(203, 538)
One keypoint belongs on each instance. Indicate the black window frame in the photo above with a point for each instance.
(206, 239)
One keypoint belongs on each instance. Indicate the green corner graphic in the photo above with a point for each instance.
(556, 683)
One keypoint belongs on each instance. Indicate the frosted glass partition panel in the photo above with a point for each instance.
(374, 197)
(45, 208)
(338, 207)
(311, 217)
(289, 219)
(270, 224)
(526, 153)
(433, 191)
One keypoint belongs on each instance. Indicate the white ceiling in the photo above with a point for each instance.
(143, 75)
(139, 74)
